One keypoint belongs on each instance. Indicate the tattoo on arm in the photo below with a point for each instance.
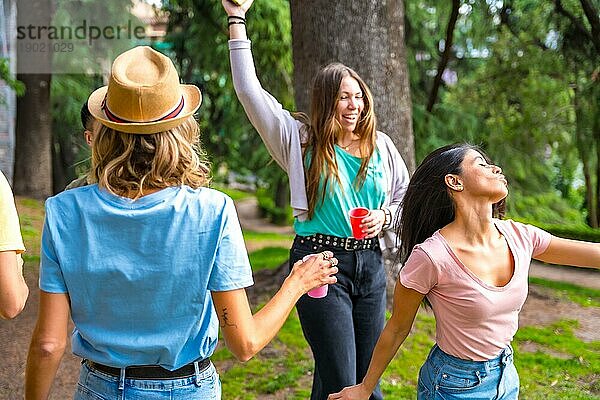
(225, 319)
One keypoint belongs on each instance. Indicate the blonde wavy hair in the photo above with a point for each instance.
(128, 164)
(324, 131)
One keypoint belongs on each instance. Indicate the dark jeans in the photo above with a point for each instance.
(343, 327)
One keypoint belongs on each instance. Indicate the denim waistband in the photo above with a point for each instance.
(502, 359)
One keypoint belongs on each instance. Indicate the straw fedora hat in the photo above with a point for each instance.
(143, 94)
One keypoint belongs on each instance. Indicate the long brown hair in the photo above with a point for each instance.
(126, 164)
(324, 130)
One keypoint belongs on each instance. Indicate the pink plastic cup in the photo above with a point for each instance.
(356, 216)
(319, 292)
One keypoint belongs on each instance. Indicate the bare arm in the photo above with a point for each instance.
(571, 252)
(48, 344)
(13, 289)
(246, 334)
(406, 305)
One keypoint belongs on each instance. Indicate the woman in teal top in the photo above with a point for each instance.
(335, 160)
(147, 262)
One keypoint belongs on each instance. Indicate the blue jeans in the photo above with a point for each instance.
(96, 385)
(445, 377)
(342, 328)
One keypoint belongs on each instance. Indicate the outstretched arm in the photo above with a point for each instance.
(571, 252)
(246, 334)
(406, 304)
(48, 344)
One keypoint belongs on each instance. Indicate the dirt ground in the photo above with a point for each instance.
(541, 308)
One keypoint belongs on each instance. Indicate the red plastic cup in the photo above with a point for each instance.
(319, 292)
(356, 216)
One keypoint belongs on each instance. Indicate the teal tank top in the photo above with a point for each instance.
(331, 215)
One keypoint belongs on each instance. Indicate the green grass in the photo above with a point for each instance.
(563, 367)
(266, 236)
(284, 365)
(268, 258)
(233, 193)
(586, 297)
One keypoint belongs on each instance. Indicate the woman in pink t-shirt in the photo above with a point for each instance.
(471, 268)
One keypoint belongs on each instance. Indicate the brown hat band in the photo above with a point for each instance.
(112, 117)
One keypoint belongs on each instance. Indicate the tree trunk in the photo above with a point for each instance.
(367, 36)
(585, 148)
(589, 195)
(282, 196)
(596, 144)
(33, 156)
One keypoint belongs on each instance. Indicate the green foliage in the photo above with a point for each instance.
(524, 91)
(577, 232)
(7, 76)
(545, 208)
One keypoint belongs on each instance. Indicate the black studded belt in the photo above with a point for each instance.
(348, 244)
(151, 371)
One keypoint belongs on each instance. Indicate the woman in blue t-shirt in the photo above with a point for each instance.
(148, 262)
(335, 160)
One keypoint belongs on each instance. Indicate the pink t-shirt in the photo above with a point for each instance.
(474, 320)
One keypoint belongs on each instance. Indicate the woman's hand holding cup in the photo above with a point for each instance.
(316, 271)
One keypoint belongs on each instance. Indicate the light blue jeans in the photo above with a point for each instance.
(96, 385)
(445, 377)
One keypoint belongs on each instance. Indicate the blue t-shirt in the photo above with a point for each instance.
(139, 273)
(331, 215)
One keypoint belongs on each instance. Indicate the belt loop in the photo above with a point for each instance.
(122, 383)
(197, 370)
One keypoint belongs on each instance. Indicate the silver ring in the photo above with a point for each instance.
(325, 256)
(333, 262)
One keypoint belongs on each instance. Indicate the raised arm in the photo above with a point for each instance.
(278, 129)
(406, 304)
(571, 252)
(246, 334)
